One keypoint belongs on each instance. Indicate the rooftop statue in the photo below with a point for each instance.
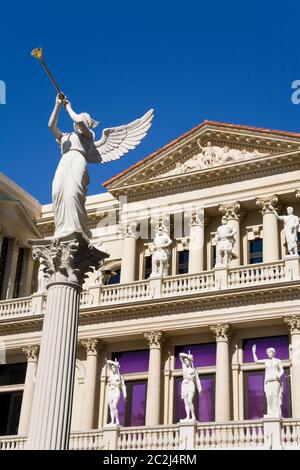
(291, 228)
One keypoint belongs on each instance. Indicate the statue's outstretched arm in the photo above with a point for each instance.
(255, 358)
(79, 121)
(52, 124)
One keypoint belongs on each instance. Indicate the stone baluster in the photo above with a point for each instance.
(222, 405)
(270, 228)
(32, 360)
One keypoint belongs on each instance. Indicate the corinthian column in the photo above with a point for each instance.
(32, 359)
(270, 229)
(294, 324)
(93, 347)
(196, 221)
(129, 252)
(154, 399)
(222, 405)
(234, 215)
(66, 261)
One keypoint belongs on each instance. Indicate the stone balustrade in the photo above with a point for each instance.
(256, 274)
(170, 286)
(188, 284)
(14, 308)
(118, 293)
(290, 433)
(240, 434)
(149, 438)
(235, 435)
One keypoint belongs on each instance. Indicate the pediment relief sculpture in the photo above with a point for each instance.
(211, 156)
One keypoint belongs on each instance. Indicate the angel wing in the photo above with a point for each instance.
(117, 141)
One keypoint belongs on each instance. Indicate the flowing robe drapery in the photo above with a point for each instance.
(69, 187)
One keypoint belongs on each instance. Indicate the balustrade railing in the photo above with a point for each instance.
(118, 293)
(256, 274)
(89, 440)
(171, 286)
(244, 434)
(13, 308)
(152, 438)
(188, 283)
(290, 433)
(249, 434)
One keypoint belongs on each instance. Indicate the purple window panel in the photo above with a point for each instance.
(204, 354)
(204, 404)
(255, 403)
(132, 361)
(280, 343)
(132, 412)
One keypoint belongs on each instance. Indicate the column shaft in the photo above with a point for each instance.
(128, 260)
(154, 379)
(32, 352)
(196, 244)
(222, 403)
(270, 229)
(51, 413)
(87, 417)
(294, 323)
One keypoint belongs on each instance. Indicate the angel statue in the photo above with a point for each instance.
(71, 179)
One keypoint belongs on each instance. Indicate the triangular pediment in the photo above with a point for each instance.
(209, 149)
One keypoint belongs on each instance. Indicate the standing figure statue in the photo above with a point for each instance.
(225, 241)
(190, 382)
(116, 384)
(291, 227)
(71, 179)
(160, 252)
(273, 380)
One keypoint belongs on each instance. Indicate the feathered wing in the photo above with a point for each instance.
(117, 141)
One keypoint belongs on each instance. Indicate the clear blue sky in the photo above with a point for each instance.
(190, 60)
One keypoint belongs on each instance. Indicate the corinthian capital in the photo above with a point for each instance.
(221, 331)
(69, 259)
(32, 352)
(266, 203)
(155, 339)
(232, 211)
(195, 218)
(93, 346)
(128, 229)
(293, 322)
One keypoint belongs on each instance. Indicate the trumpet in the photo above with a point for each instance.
(38, 54)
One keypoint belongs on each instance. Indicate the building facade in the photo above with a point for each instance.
(216, 312)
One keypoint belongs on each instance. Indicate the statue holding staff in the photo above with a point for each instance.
(116, 384)
(190, 383)
(273, 380)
